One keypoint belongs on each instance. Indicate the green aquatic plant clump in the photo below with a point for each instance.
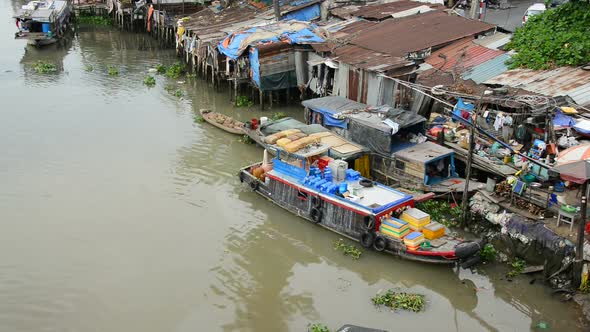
(557, 37)
(198, 118)
(113, 71)
(318, 327)
(277, 116)
(347, 249)
(88, 68)
(175, 70)
(244, 101)
(161, 69)
(400, 300)
(43, 67)
(149, 81)
(246, 139)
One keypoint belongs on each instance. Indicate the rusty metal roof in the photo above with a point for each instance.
(419, 32)
(370, 60)
(563, 81)
(386, 10)
(207, 21)
(461, 55)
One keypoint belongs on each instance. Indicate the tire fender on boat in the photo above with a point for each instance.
(368, 223)
(367, 239)
(466, 249)
(316, 215)
(316, 201)
(380, 243)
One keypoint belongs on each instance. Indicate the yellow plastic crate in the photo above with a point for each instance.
(396, 234)
(433, 231)
(416, 217)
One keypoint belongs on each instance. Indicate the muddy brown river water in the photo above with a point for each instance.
(119, 213)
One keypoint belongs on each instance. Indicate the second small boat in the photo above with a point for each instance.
(222, 121)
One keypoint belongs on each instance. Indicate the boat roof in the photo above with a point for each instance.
(537, 6)
(41, 11)
(424, 152)
(376, 198)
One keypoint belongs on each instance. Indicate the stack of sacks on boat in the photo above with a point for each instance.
(414, 240)
(394, 228)
(433, 231)
(291, 140)
(417, 219)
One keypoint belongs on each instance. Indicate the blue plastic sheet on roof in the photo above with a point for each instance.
(230, 45)
(304, 14)
(331, 121)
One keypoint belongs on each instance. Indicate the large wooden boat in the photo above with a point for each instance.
(43, 22)
(358, 213)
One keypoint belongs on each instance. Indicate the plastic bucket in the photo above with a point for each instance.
(46, 27)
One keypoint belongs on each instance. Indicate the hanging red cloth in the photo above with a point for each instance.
(149, 18)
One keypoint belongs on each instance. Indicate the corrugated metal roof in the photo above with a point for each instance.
(495, 41)
(570, 81)
(487, 70)
(419, 32)
(370, 60)
(386, 10)
(461, 55)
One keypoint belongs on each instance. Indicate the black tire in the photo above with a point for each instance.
(315, 201)
(316, 215)
(380, 243)
(467, 249)
(254, 185)
(367, 239)
(366, 183)
(369, 223)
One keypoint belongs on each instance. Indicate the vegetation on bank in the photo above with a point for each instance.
(488, 253)
(347, 249)
(400, 300)
(557, 37)
(516, 267)
(441, 211)
(43, 67)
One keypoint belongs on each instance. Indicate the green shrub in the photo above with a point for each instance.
(557, 37)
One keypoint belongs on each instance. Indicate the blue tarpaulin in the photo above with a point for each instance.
(255, 66)
(304, 14)
(233, 45)
(462, 111)
(563, 120)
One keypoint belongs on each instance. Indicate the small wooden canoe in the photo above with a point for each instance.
(223, 122)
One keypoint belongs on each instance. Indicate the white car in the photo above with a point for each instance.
(533, 10)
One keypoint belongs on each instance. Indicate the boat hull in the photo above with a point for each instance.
(338, 218)
(231, 130)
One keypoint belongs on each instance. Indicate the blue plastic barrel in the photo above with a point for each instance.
(46, 27)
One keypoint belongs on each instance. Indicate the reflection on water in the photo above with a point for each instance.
(119, 213)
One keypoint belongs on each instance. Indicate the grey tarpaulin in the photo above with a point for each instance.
(274, 127)
(365, 123)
